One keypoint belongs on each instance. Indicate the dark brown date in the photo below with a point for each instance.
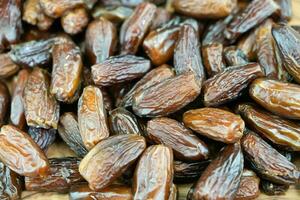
(115, 14)
(221, 179)
(169, 132)
(110, 158)
(280, 131)
(156, 164)
(41, 107)
(21, 154)
(74, 21)
(215, 123)
(92, 119)
(135, 28)
(281, 98)
(229, 84)
(56, 8)
(7, 66)
(271, 189)
(4, 102)
(213, 58)
(42, 137)
(119, 69)
(235, 56)
(249, 186)
(151, 102)
(101, 40)
(286, 10)
(267, 162)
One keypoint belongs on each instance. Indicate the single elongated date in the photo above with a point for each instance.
(4, 102)
(7, 66)
(249, 186)
(213, 58)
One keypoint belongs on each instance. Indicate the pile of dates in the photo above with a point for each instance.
(148, 95)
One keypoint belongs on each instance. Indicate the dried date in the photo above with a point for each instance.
(74, 21)
(249, 186)
(4, 102)
(7, 66)
(213, 58)
(56, 8)
(42, 137)
(235, 56)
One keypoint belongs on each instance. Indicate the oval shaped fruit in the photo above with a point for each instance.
(281, 98)
(249, 186)
(169, 132)
(4, 102)
(156, 164)
(7, 66)
(215, 123)
(110, 158)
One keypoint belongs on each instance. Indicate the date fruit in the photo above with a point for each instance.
(188, 172)
(56, 8)
(235, 56)
(249, 186)
(74, 21)
(42, 137)
(213, 58)
(4, 102)
(7, 66)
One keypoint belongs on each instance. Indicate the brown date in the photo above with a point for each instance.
(56, 8)
(115, 14)
(7, 66)
(101, 40)
(271, 189)
(213, 58)
(4, 102)
(247, 44)
(92, 120)
(169, 132)
(281, 98)
(41, 107)
(267, 162)
(21, 154)
(110, 158)
(235, 56)
(280, 131)
(209, 9)
(161, 99)
(286, 10)
(221, 179)
(135, 28)
(119, 69)
(249, 186)
(215, 123)
(108, 102)
(42, 137)
(156, 164)
(162, 17)
(153, 77)
(74, 21)
(229, 84)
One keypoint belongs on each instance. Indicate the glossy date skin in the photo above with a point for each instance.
(280, 131)
(213, 58)
(249, 186)
(119, 69)
(151, 102)
(4, 102)
(215, 123)
(156, 164)
(268, 162)
(74, 21)
(7, 66)
(21, 154)
(41, 107)
(221, 179)
(280, 98)
(110, 158)
(92, 118)
(229, 84)
(169, 132)
(42, 137)
(56, 8)
(135, 28)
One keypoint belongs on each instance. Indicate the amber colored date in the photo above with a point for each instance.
(92, 119)
(213, 58)
(41, 108)
(42, 137)
(21, 154)
(156, 164)
(74, 21)
(151, 102)
(235, 56)
(119, 69)
(56, 8)
(215, 123)
(169, 132)
(230, 83)
(268, 162)
(7, 66)
(281, 98)
(101, 40)
(188, 172)
(110, 158)
(4, 102)
(271, 189)
(221, 179)
(135, 28)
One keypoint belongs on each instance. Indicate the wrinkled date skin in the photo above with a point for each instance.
(271, 189)
(235, 56)
(110, 158)
(255, 13)
(7, 66)
(92, 119)
(153, 77)
(101, 40)
(74, 21)
(229, 84)
(10, 22)
(56, 8)
(215, 123)
(17, 115)
(4, 102)
(213, 58)
(69, 131)
(247, 44)
(156, 164)
(161, 99)
(63, 174)
(209, 9)
(169, 132)
(21, 154)
(249, 186)
(122, 122)
(280, 131)
(268, 162)
(135, 28)
(41, 107)
(66, 71)
(119, 69)
(288, 42)
(221, 179)
(187, 55)
(42, 137)
(10, 184)
(280, 98)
